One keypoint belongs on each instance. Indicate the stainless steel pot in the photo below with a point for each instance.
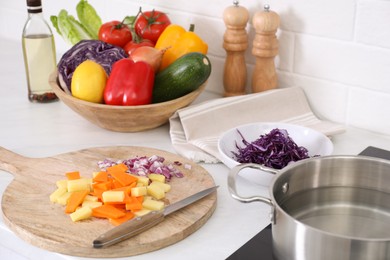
(332, 207)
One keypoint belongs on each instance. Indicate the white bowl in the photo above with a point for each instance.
(315, 142)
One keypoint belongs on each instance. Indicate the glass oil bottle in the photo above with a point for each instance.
(39, 54)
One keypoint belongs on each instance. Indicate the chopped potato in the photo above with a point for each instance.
(165, 186)
(79, 184)
(63, 200)
(91, 204)
(138, 191)
(57, 193)
(153, 204)
(113, 196)
(81, 213)
(62, 183)
(143, 180)
(156, 191)
(91, 198)
(157, 177)
(142, 212)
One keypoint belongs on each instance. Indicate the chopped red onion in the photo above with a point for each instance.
(142, 166)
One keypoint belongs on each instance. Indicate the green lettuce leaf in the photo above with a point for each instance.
(71, 30)
(54, 21)
(89, 18)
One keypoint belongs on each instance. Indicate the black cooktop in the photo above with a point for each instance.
(260, 246)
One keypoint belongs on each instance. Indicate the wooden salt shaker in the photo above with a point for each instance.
(235, 43)
(265, 48)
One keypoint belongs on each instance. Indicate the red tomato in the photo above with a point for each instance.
(115, 33)
(149, 25)
(132, 45)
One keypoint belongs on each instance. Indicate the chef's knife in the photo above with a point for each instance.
(140, 224)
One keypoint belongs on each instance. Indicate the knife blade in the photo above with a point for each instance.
(140, 224)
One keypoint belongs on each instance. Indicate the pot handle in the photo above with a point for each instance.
(233, 191)
(232, 183)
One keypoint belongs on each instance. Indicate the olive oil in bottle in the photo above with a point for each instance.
(39, 54)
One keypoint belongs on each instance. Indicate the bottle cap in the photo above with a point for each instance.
(34, 6)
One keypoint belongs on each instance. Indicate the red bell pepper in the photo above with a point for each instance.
(129, 84)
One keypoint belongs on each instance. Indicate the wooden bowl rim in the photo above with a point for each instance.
(60, 92)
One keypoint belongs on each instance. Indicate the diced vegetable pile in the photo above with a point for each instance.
(118, 192)
(275, 149)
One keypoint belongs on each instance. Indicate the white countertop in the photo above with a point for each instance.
(43, 130)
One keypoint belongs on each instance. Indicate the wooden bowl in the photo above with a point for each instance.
(124, 118)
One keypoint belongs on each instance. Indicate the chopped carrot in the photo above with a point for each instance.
(140, 198)
(98, 193)
(75, 200)
(98, 215)
(101, 176)
(102, 185)
(126, 189)
(107, 211)
(120, 167)
(117, 221)
(134, 204)
(118, 172)
(121, 207)
(72, 175)
(124, 178)
(116, 184)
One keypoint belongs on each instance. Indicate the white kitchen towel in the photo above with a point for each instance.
(195, 130)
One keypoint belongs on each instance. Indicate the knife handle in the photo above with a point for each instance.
(129, 229)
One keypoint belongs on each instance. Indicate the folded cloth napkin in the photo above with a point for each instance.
(195, 130)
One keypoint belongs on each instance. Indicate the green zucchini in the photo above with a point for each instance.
(183, 76)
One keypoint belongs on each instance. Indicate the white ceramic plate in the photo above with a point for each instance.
(315, 142)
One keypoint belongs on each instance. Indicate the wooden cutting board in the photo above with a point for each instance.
(28, 211)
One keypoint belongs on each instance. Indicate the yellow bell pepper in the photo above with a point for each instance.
(177, 42)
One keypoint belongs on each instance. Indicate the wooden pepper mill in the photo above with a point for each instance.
(235, 42)
(265, 48)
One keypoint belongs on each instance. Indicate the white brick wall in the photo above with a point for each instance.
(337, 51)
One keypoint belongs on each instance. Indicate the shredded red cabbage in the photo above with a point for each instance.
(275, 150)
(103, 53)
(143, 166)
